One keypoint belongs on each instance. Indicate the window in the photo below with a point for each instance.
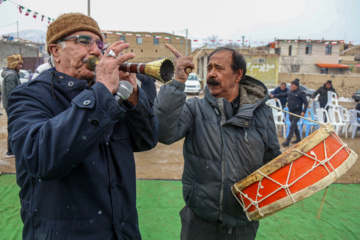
(156, 40)
(290, 48)
(308, 49)
(295, 68)
(139, 40)
(122, 38)
(277, 51)
(168, 39)
(324, 70)
(328, 49)
(258, 60)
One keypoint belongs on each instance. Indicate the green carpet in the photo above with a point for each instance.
(159, 203)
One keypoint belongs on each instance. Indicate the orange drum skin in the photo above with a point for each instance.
(304, 169)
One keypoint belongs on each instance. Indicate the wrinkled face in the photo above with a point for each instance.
(293, 87)
(220, 79)
(70, 60)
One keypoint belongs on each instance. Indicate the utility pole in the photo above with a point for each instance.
(186, 46)
(89, 8)
(17, 29)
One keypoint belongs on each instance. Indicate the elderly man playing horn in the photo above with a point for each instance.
(73, 142)
(229, 134)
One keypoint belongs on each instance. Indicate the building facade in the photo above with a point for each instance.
(148, 46)
(260, 65)
(309, 56)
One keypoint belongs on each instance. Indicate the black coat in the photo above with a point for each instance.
(73, 146)
(323, 91)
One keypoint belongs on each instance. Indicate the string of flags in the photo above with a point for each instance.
(29, 12)
(167, 38)
(231, 40)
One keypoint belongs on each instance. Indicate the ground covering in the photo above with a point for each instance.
(159, 202)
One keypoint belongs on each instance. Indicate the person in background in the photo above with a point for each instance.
(11, 79)
(279, 90)
(323, 91)
(229, 134)
(74, 142)
(30, 75)
(298, 105)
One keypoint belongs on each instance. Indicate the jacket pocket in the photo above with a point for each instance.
(190, 193)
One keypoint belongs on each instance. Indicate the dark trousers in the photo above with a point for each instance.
(293, 128)
(194, 227)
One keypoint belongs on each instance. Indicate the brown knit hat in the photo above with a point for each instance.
(13, 61)
(69, 23)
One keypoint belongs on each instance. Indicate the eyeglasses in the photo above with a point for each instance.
(87, 41)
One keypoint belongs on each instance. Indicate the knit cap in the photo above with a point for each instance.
(13, 61)
(296, 82)
(69, 23)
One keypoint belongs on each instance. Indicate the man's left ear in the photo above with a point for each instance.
(239, 75)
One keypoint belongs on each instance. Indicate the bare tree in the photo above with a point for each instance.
(213, 40)
(290, 64)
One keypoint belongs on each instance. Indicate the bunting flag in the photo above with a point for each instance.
(167, 38)
(195, 40)
(177, 38)
(129, 34)
(28, 12)
(157, 37)
(118, 33)
(138, 35)
(49, 19)
(326, 43)
(309, 40)
(109, 32)
(342, 41)
(147, 35)
(42, 17)
(296, 41)
(35, 14)
(333, 43)
(1, 1)
(21, 8)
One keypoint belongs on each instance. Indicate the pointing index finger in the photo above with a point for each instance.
(173, 50)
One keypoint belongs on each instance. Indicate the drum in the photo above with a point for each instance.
(302, 170)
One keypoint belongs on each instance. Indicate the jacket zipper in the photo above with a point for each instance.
(220, 102)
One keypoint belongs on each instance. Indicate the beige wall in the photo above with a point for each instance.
(307, 62)
(344, 85)
(146, 51)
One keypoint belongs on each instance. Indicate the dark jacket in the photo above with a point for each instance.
(219, 149)
(11, 79)
(282, 99)
(73, 147)
(297, 101)
(323, 91)
(148, 84)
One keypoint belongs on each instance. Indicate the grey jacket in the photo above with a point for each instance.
(11, 79)
(219, 149)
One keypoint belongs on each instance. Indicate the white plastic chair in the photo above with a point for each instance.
(345, 117)
(353, 121)
(322, 115)
(277, 115)
(332, 100)
(336, 121)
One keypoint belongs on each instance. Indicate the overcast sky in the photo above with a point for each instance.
(257, 20)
